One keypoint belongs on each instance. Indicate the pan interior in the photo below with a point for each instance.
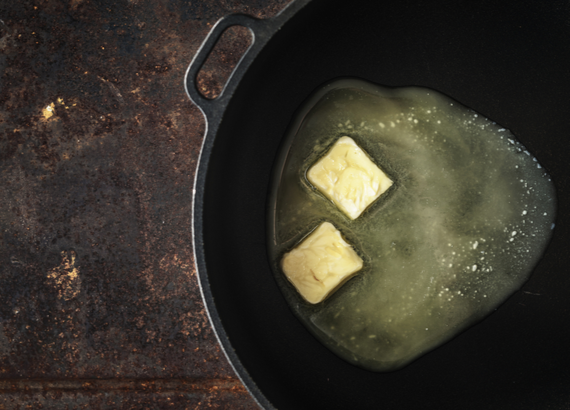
(506, 60)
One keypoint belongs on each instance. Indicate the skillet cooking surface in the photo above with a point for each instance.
(507, 60)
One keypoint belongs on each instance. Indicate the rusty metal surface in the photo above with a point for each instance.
(125, 394)
(99, 303)
(233, 42)
(139, 400)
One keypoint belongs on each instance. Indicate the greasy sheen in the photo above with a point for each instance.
(466, 220)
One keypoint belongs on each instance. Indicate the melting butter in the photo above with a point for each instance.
(319, 264)
(468, 216)
(348, 177)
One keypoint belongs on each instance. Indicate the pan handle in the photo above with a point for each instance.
(208, 106)
(261, 31)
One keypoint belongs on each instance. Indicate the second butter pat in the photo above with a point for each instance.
(348, 177)
(320, 263)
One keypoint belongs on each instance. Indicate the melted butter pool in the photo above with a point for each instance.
(468, 217)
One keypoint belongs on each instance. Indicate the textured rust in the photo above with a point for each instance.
(148, 385)
(98, 147)
(114, 400)
(232, 44)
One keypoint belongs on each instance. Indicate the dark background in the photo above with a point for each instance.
(99, 301)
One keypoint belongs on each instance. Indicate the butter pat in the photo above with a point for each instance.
(348, 177)
(320, 263)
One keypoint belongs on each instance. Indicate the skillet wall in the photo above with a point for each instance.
(509, 61)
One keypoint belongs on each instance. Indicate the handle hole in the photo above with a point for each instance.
(230, 47)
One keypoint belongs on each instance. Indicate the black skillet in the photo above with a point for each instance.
(510, 61)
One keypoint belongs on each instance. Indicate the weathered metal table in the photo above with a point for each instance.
(99, 302)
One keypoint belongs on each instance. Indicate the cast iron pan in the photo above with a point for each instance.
(510, 61)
